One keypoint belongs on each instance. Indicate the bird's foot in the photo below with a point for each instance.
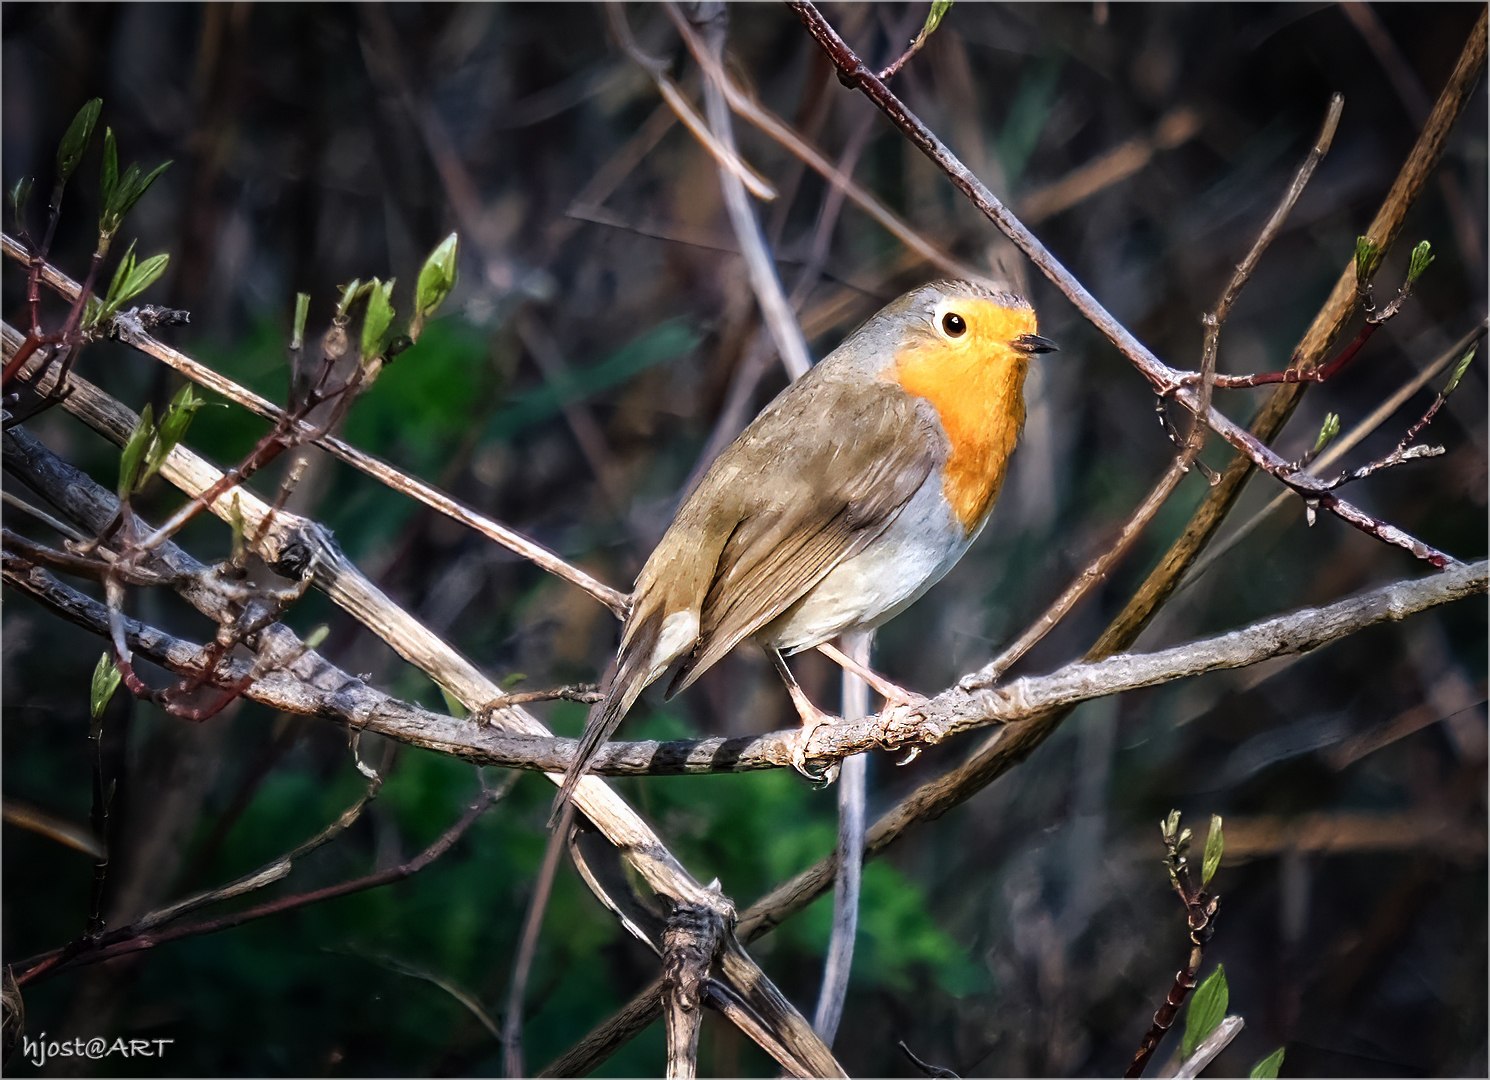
(812, 719)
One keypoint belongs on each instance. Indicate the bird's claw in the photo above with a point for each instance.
(799, 745)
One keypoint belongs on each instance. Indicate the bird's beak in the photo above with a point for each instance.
(1034, 343)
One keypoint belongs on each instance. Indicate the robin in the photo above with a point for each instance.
(848, 497)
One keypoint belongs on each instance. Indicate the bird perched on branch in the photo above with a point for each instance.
(847, 498)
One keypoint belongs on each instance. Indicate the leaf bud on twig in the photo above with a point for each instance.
(1422, 257)
(1459, 371)
(437, 278)
(1327, 432)
(105, 681)
(1215, 844)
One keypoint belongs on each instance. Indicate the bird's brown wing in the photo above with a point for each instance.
(817, 476)
(811, 483)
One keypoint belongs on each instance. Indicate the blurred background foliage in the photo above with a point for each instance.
(568, 390)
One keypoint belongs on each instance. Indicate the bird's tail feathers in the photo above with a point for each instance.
(629, 680)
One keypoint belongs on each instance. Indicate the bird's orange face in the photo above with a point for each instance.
(970, 364)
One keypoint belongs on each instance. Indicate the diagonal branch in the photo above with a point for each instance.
(1165, 379)
(130, 331)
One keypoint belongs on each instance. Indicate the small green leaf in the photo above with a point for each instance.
(377, 319)
(453, 705)
(143, 276)
(118, 193)
(939, 8)
(134, 452)
(1459, 371)
(1207, 1009)
(437, 277)
(1169, 828)
(1267, 1068)
(75, 141)
(317, 637)
(108, 184)
(1366, 255)
(19, 196)
(172, 430)
(1215, 844)
(96, 311)
(122, 271)
(350, 294)
(106, 678)
(1422, 258)
(1327, 431)
(130, 279)
(512, 679)
(302, 309)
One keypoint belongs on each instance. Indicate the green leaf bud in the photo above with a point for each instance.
(377, 319)
(106, 678)
(302, 309)
(1422, 258)
(134, 452)
(1327, 431)
(437, 277)
(1215, 844)
(1459, 370)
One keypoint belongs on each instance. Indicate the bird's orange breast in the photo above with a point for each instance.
(977, 389)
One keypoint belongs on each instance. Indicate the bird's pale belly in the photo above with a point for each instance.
(917, 549)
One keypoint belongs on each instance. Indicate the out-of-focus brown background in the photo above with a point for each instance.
(577, 374)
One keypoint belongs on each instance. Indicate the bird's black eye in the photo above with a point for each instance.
(953, 324)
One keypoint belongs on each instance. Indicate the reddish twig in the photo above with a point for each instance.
(1200, 916)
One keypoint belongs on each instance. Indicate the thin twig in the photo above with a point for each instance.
(720, 149)
(1335, 451)
(779, 130)
(522, 964)
(925, 1068)
(1200, 917)
(1173, 129)
(293, 539)
(25, 816)
(44, 517)
(1327, 325)
(779, 317)
(999, 752)
(151, 940)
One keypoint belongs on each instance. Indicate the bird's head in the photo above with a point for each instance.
(960, 341)
(962, 323)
